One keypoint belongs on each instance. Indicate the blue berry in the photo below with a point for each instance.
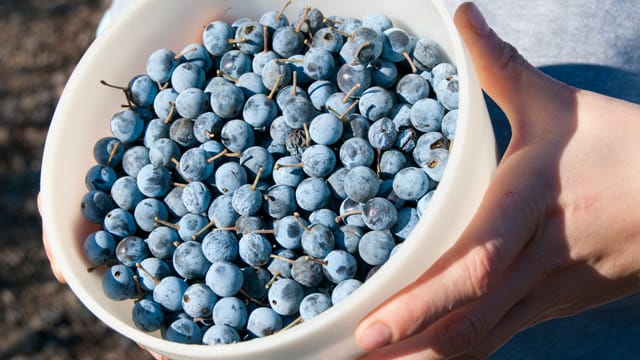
(313, 305)
(119, 223)
(190, 226)
(317, 241)
(263, 321)
(356, 152)
(339, 265)
(288, 232)
(447, 91)
(348, 237)
(168, 293)
(376, 102)
(131, 250)
(100, 177)
(379, 214)
(126, 125)
(147, 315)
(254, 249)
(407, 219)
(161, 242)
(361, 184)
(184, 331)
(411, 88)
(411, 183)
(307, 272)
(189, 260)
(221, 211)
(196, 197)
(279, 201)
(153, 181)
(108, 151)
(187, 75)
(95, 205)
(312, 193)
(99, 247)
(344, 289)
(191, 103)
(230, 311)
(426, 54)
(142, 90)
(181, 131)
(118, 283)
(147, 211)
(198, 301)
(150, 271)
(375, 247)
(285, 296)
(426, 115)
(216, 37)
(160, 65)
(219, 335)
(237, 135)
(220, 246)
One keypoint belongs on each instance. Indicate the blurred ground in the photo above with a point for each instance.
(40, 43)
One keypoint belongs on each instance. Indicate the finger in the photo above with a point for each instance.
(469, 269)
(563, 293)
(512, 82)
(465, 327)
(47, 250)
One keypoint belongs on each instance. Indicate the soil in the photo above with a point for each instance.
(40, 43)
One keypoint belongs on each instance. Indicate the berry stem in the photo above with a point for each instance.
(276, 85)
(290, 261)
(341, 217)
(358, 51)
(410, 61)
(153, 278)
(284, 7)
(178, 56)
(251, 298)
(299, 220)
(112, 153)
(172, 109)
(222, 153)
(254, 186)
(265, 38)
(201, 231)
(237, 41)
(307, 136)
(294, 88)
(159, 221)
(297, 165)
(295, 322)
(304, 18)
(317, 261)
(353, 89)
(272, 280)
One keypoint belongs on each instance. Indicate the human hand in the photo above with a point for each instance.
(556, 233)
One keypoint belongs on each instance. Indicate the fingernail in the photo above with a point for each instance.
(477, 20)
(375, 336)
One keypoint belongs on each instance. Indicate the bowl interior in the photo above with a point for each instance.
(85, 107)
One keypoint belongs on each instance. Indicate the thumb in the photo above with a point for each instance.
(512, 82)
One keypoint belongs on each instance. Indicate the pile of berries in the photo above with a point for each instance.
(257, 178)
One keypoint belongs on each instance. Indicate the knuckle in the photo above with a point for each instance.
(482, 268)
(510, 58)
(458, 335)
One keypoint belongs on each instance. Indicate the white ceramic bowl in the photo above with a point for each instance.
(83, 113)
